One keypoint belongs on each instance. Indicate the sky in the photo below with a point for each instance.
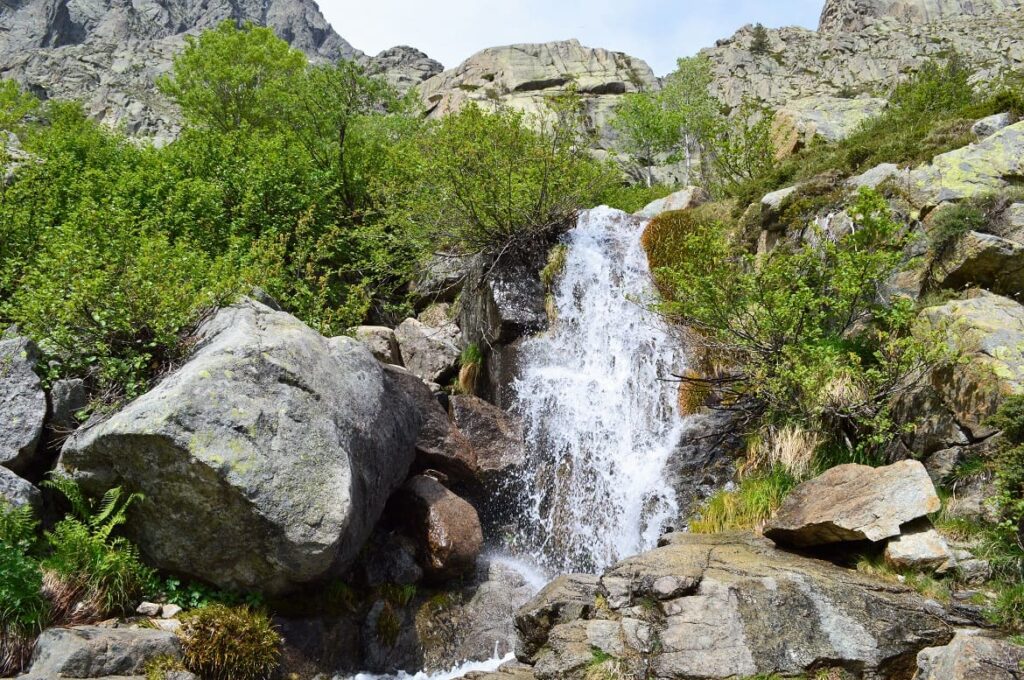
(658, 31)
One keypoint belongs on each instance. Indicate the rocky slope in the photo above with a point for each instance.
(109, 52)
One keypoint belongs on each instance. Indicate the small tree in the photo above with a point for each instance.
(760, 43)
(647, 129)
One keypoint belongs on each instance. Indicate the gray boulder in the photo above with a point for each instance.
(567, 598)
(689, 197)
(430, 353)
(972, 656)
(854, 503)
(441, 278)
(920, 547)
(986, 127)
(67, 397)
(381, 342)
(18, 492)
(22, 403)
(284, 443)
(983, 260)
(95, 652)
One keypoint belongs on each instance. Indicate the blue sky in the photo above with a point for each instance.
(658, 31)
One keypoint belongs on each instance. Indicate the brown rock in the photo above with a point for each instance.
(854, 503)
(495, 437)
(445, 527)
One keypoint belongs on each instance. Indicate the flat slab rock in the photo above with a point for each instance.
(97, 652)
(854, 503)
(733, 606)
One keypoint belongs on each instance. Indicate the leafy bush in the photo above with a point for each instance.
(801, 331)
(1005, 541)
(23, 610)
(94, 573)
(633, 198)
(749, 506)
(229, 643)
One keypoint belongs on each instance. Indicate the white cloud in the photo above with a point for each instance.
(658, 31)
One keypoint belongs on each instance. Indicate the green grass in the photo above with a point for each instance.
(750, 505)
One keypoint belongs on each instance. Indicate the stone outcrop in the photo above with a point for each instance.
(854, 15)
(830, 118)
(285, 443)
(22, 403)
(847, 63)
(972, 656)
(95, 652)
(730, 606)
(524, 76)
(982, 260)
(854, 503)
(404, 67)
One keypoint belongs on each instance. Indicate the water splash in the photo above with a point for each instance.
(600, 420)
(488, 666)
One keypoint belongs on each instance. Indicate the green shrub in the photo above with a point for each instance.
(229, 643)
(90, 565)
(23, 610)
(747, 507)
(158, 668)
(633, 198)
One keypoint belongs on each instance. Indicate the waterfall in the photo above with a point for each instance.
(599, 418)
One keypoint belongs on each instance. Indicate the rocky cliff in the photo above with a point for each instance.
(864, 46)
(109, 52)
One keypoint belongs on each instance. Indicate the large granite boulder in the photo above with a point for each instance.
(732, 606)
(95, 652)
(990, 165)
(432, 353)
(265, 460)
(22, 403)
(989, 330)
(494, 436)
(854, 503)
(972, 656)
(982, 260)
(446, 528)
(17, 492)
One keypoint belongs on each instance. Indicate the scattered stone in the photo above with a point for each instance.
(430, 353)
(774, 199)
(919, 547)
(22, 403)
(972, 656)
(170, 611)
(150, 609)
(95, 652)
(382, 343)
(67, 398)
(875, 177)
(277, 450)
(495, 437)
(690, 197)
(18, 492)
(854, 503)
(445, 527)
(986, 127)
(973, 571)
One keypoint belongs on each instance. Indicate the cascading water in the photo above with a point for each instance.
(599, 418)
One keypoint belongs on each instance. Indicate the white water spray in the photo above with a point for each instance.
(600, 419)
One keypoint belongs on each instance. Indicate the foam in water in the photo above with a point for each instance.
(600, 419)
(488, 666)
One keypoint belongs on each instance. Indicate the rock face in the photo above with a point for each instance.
(730, 606)
(853, 15)
(287, 444)
(854, 503)
(381, 342)
(846, 63)
(22, 403)
(831, 118)
(446, 527)
(404, 67)
(992, 164)
(94, 652)
(971, 656)
(523, 76)
(984, 260)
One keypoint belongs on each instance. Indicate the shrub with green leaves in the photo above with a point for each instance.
(229, 643)
(801, 330)
(23, 610)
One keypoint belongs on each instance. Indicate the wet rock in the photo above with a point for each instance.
(690, 197)
(704, 461)
(382, 343)
(430, 353)
(854, 503)
(67, 398)
(22, 403)
(972, 656)
(986, 127)
(17, 492)
(95, 652)
(983, 260)
(510, 671)
(919, 547)
(567, 598)
(445, 527)
(287, 444)
(495, 437)
(390, 559)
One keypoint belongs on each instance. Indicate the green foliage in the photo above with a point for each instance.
(760, 43)
(158, 668)
(15, 106)
(229, 643)
(952, 222)
(23, 609)
(633, 198)
(555, 266)
(194, 595)
(806, 339)
(1005, 542)
(750, 505)
(95, 566)
(230, 78)
(647, 130)
(502, 182)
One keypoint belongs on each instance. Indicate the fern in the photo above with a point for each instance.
(17, 526)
